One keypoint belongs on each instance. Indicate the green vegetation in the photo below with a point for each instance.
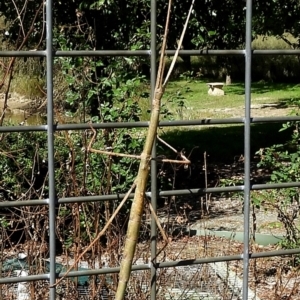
(191, 100)
(116, 89)
(223, 143)
(78, 173)
(283, 160)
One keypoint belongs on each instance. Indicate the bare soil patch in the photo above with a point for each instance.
(16, 102)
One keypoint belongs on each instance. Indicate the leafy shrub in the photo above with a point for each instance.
(283, 160)
(98, 90)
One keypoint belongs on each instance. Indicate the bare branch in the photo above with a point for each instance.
(100, 234)
(114, 153)
(186, 161)
(142, 176)
(9, 71)
(179, 45)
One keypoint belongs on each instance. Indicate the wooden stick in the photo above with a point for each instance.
(90, 149)
(158, 222)
(137, 207)
(172, 161)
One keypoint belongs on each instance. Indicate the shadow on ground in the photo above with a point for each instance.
(261, 87)
(223, 143)
(224, 148)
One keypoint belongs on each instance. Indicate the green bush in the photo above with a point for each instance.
(283, 161)
(100, 91)
(24, 175)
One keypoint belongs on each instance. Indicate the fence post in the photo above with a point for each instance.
(50, 137)
(247, 160)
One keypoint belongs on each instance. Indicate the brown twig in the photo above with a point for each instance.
(19, 16)
(166, 239)
(172, 161)
(100, 234)
(90, 149)
(114, 153)
(158, 223)
(187, 161)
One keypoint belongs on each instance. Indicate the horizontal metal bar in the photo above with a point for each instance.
(226, 189)
(228, 121)
(23, 128)
(73, 53)
(103, 53)
(40, 53)
(201, 52)
(227, 258)
(274, 119)
(24, 203)
(233, 52)
(113, 197)
(7, 280)
(286, 185)
(145, 124)
(169, 264)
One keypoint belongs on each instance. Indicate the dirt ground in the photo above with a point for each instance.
(16, 102)
(257, 110)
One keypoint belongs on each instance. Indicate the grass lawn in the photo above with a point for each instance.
(198, 104)
(223, 142)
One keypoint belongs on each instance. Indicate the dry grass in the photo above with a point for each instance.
(273, 42)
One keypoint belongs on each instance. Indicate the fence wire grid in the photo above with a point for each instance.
(50, 128)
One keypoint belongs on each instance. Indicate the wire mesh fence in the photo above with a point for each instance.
(208, 270)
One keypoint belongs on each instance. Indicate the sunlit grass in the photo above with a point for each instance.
(28, 86)
(189, 99)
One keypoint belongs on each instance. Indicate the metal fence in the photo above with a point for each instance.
(51, 128)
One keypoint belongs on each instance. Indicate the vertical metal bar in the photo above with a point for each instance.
(154, 192)
(248, 63)
(50, 137)
(153, 162)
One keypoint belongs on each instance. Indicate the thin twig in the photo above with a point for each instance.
(100, 234)
(165, 160)
(19, 17)
(165, 143)
(179, 45)
(9, 71)
(114, 153)
(166, 239)
(143, 172)
(21, 45)
(174, 161)
(187, 161)
(158, 222)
